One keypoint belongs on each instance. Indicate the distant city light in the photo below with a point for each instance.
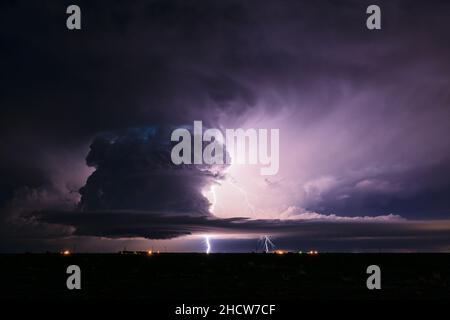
(66, 252)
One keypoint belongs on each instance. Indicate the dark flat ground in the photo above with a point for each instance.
(249, 277)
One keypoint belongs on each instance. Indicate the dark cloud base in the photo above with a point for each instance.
(413, 235)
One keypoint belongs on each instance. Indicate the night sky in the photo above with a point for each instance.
(86, 117)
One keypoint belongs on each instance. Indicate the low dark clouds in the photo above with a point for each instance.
(292, 234)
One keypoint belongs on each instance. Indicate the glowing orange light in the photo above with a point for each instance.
(279, 252)
(149, 252)
(66, 252)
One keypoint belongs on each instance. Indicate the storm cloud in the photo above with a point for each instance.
(388, 233)
(134, 171)
(86, 116)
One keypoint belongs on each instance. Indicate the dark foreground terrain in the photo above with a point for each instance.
(257, 277)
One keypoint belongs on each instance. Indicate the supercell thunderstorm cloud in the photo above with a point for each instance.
(363, 118)
(134, 172)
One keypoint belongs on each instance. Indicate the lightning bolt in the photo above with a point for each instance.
(211, 194)
(212, 197)
(266, 244)
(244, 194)
(208, 245)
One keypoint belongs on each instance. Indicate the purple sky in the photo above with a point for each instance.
(363, 115)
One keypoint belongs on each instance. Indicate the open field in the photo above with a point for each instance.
(258, 277)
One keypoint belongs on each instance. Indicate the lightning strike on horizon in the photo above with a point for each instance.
(208, 245)
(268, 242)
